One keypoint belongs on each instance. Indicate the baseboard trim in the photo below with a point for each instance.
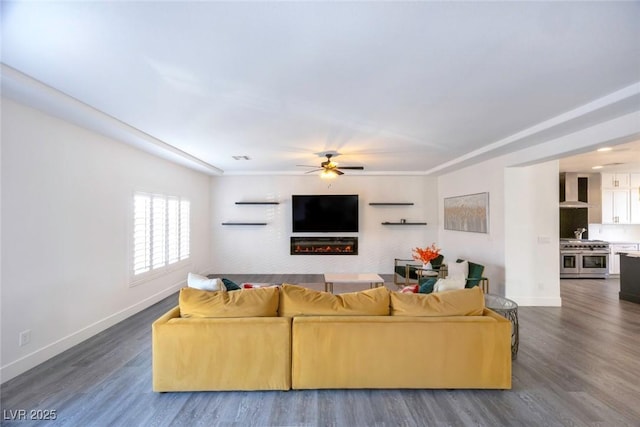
(536, 301)
(31, 360)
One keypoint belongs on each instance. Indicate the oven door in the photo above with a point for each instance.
(595, 263)
(570, 262)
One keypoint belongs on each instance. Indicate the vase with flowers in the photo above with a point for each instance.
(426, 255)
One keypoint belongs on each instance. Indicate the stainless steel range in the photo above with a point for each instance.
(584, 259)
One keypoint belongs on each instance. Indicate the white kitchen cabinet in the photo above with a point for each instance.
(615, 180)
(615, 206)
(614, 258)
(634, 198)
(634, 205)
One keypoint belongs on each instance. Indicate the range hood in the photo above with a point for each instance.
(569, 191)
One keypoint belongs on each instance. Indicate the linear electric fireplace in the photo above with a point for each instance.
(324, 246)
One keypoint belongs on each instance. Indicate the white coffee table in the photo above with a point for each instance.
(372, 279)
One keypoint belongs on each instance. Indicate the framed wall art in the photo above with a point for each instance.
(467, 213)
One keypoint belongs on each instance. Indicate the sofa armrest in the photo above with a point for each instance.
(171, 314)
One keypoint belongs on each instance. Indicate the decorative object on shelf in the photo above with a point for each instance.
(426, 255)
(467, 213)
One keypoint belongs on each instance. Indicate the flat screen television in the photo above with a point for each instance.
(325, 213)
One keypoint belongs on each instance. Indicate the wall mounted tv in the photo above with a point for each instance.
(325, 213)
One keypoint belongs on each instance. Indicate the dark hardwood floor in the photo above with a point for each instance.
(577, 365)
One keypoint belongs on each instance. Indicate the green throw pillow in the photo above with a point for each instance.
(475, 273)
(231, 286)
(426, 285)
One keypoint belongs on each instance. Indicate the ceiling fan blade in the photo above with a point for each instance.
(307, 166)
(339, 172)
(312, 171)
(356, 168)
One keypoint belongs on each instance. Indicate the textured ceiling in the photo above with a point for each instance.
(397, 87)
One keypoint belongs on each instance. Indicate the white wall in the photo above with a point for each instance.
(66, 226)
(531, 215)
(265, 249)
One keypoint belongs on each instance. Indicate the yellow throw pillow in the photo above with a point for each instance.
(460, 302)
(300, 301)
(261, 302)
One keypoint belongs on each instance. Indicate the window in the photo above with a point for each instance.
(161, 231)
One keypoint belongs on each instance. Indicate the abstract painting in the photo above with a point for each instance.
(467, 213)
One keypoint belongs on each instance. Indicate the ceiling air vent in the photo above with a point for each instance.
(240, 157)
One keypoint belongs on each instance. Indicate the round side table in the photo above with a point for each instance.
(508, 309)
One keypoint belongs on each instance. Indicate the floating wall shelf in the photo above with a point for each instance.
(257, 203)
(244, 223)
(392, 204)
(404, 223)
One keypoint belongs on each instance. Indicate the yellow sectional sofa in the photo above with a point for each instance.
(369, 339)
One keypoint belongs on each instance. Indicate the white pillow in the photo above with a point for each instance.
(200, 282)
(458, 270)
(449, 284)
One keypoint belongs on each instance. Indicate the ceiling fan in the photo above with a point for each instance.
(329, 168)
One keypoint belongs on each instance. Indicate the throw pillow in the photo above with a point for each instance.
(200, 282)
(231, 286)
(426, 285)
(458, 270)
(250, 303)
(462, 302)
(300, 301)
(257, 285)
(449, 284)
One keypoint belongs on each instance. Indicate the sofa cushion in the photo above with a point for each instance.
(300, 301)
(462, 302)
(242, 303)
(197, 281)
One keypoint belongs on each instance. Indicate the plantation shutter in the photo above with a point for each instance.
(173, 230)
(185, 229)
(161, 231)
(141, 234)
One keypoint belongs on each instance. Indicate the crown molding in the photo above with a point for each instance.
(35, 94)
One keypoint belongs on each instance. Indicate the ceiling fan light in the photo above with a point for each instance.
(328, 174)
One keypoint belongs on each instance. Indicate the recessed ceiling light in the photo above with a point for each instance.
(597, 167)
(605, 149)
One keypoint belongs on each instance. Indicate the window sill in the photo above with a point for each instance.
(142, 278)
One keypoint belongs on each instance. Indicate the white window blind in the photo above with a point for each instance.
(161, 231)
(185, 229)
(141, 234)
(173, 230)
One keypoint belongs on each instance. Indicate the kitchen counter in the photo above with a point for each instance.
(630, 276)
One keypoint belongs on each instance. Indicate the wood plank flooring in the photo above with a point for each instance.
(578, 365)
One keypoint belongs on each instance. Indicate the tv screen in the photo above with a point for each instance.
(325, 213)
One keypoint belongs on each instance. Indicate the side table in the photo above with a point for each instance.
(508, 309)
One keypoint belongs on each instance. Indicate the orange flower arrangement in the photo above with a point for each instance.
(427, 254)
